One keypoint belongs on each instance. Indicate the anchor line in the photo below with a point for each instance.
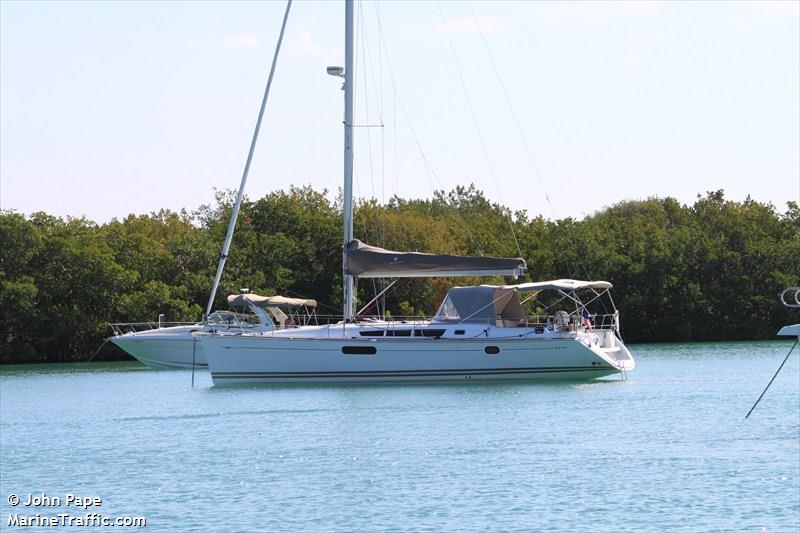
(194, 351)
(773, 379)
(98, 350)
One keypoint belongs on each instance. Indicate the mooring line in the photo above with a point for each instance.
(97, 350)
(194, 351)
(773, 379)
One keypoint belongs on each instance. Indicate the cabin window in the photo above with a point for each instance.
(371, 333)
(398, 333)
(492, 350)
(428, 332)
(359, 350)
(459, 332)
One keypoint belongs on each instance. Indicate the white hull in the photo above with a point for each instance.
(172, 347)
(272, 358)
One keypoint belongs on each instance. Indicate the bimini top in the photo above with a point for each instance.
(480, 303)
(367, 261)
(560, 285)
(484, 303)
(269, 301)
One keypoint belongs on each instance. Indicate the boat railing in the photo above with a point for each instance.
(559, 322)
(574, 322)
(790, 297)
(121, 328)
(226, 319)
(325, 320)
(556, 322)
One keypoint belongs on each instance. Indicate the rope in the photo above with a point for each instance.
(194, 352)
(511, 108)
(97, 350)
(773, 379)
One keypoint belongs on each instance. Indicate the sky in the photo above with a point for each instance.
(556, 108)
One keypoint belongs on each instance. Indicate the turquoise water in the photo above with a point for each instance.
(668, 449)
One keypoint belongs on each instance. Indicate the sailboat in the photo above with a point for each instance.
(478, 333)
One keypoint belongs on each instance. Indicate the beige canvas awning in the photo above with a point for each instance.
(269, 301)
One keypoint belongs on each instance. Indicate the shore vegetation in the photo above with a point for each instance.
(707, 271)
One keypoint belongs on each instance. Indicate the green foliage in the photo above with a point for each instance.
(707, 271)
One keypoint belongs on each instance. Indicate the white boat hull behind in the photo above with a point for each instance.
(253, 359)
(175, 347)
(172, 347)
(790, 331)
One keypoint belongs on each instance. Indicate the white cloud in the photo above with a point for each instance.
(468, 25)
(242, 40)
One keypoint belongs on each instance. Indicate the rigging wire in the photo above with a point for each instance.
(377, 224)
(511, 108)
(476, 122)
(522, 133)
(356, 180)
(383, 283)
(363, 46)
(382, 115)
(430, 172)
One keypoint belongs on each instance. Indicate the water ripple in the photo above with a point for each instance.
(669, 449)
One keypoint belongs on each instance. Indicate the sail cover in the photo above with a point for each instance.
(367, 261)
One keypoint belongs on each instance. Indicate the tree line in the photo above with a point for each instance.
(708, 271)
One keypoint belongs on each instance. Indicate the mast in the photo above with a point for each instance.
(235, 213)
(349, 296)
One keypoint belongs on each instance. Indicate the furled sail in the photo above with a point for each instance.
(367, 261)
